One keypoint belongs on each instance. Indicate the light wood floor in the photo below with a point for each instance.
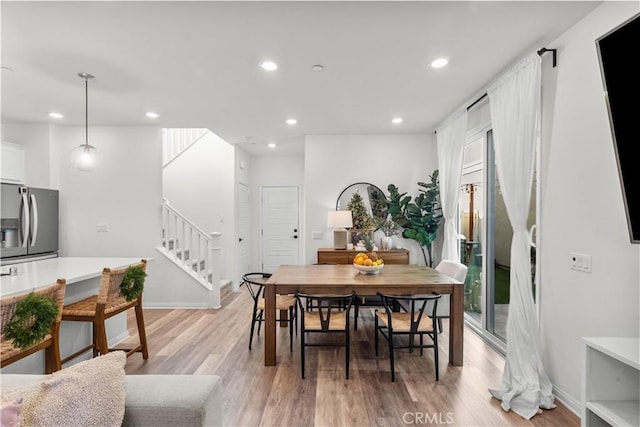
(216, 342)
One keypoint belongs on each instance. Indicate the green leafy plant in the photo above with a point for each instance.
(420, 218)
(132, 282)
(31, 321)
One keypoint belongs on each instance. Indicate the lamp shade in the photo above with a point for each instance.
(85, 157)
(339, 219)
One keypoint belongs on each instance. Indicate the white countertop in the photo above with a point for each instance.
(36, 274)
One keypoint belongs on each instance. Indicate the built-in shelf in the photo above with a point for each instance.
(611, 382)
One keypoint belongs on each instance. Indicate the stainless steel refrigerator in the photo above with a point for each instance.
(29, 222)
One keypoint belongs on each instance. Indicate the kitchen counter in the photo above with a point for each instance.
(36, 274)
(83, 279)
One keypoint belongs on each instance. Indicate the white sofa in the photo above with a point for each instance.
(158, 400)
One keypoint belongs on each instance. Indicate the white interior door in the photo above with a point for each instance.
(280, 227)
(244, 213)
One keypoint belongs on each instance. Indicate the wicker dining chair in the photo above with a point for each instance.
(96, 309)
(50, 343)
(254, 282)
(330, 315)
(416, 321)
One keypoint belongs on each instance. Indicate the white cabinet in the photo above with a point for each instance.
(12, 169)
(611, 382)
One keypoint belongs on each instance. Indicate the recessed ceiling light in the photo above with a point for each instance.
(291, 121)
(397, 120)
(271, 145)
(269, 66)
(440, 62)
(56, 115)
(317, 67)
(152, 115)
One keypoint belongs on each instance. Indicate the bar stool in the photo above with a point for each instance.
(10, 353)
(107, 303)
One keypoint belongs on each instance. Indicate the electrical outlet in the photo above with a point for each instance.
(316, 235)
(102, 227)
(580, 262)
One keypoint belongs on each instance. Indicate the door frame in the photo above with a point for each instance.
(237, 236)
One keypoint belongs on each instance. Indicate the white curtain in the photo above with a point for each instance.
(514, 100)
(450, 143)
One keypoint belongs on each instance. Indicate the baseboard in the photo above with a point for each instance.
(114, 341)
(572, 404)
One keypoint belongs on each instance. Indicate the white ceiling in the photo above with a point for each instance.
(196, 63)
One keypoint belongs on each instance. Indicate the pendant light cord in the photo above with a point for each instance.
(86, 111)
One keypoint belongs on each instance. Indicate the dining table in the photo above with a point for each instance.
(343, 279)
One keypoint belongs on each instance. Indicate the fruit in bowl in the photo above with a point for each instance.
(365, 264)
(367, 260)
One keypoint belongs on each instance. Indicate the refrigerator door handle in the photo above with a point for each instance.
(25, 223)
(34, 206)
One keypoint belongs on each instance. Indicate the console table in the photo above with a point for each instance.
(345, 256)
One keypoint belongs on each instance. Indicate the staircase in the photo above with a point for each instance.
(194, 250)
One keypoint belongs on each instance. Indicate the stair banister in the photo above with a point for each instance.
(197, 252)
(214, 258)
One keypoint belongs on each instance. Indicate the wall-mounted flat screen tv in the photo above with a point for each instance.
(619, 55)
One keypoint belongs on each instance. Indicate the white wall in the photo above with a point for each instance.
(271, 171)
(332, 162)
(200, 185)
(124, 191)
(582, 208)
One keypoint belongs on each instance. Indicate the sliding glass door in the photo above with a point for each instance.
(486, 234)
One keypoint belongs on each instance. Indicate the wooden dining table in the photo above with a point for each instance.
(344, 279)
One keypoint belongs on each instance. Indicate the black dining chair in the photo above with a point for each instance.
(413, 323)
(330, 315)
(254, 282)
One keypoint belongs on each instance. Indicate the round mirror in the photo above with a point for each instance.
(374, 200)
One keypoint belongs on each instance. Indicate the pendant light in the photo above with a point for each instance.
(85, 157)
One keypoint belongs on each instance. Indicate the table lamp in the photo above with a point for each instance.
(339, 220)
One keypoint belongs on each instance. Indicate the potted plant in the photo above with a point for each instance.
(420, 218)
(390, 228)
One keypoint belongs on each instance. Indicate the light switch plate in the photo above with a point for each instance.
(580, 262)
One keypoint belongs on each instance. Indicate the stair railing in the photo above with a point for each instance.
(194, 249)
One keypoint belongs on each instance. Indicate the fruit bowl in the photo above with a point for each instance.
(373, 269)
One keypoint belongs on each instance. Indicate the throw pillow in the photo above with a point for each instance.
(10, 413)
(90, 393)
